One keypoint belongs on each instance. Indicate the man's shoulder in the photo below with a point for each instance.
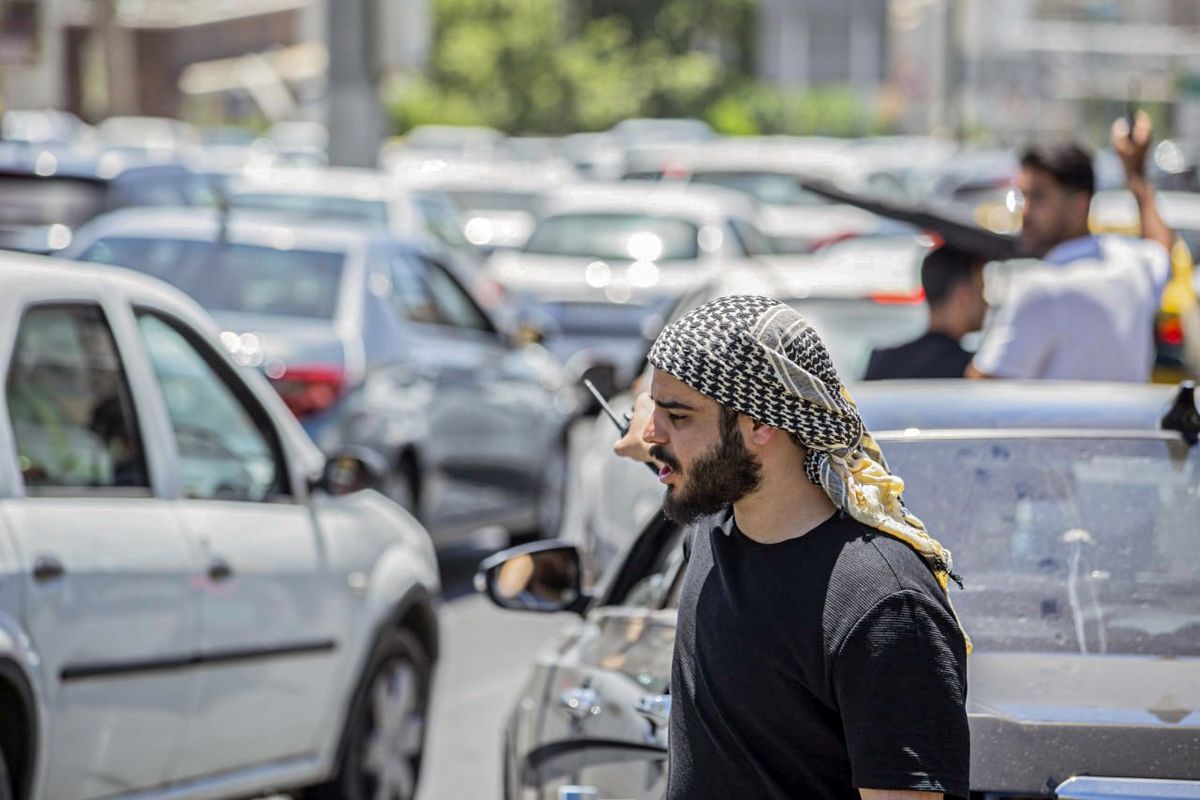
(871, 567)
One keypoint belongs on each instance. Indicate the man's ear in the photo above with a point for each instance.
(761, 433)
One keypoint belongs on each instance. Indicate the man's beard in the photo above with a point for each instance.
(722, 476)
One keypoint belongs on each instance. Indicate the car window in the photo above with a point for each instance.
(1064, 544)
(617, 237)
(753, 241)
(72, 413)
(423, 291)
(320, 208)
(772, 188)
(227, 447)
(654, 588)
(223, 276)
(441, 218)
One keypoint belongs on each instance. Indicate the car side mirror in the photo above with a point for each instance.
(351, 469)
(541, 576)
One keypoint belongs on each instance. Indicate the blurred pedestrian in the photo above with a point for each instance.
(817, 654)
(1088, 311)
(953, 283)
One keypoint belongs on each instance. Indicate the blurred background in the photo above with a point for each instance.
(368, 69)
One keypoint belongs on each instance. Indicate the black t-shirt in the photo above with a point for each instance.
(814, 667)
(934, 355)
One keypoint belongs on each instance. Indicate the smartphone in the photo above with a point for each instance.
(1131, 102)
(622, 423)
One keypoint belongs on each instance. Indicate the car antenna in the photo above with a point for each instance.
(1182, 416)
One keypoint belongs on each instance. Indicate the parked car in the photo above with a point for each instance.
(1067, 508)
(372, 342)
(497, 200)
(605, 259)
(194, 602)
(45, 200)
(359, 196)
(859, 294)
(770, 170)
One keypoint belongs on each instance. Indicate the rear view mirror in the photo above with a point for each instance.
(542, 576)
(352, 469)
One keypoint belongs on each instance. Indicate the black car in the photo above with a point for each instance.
(43, 203)
(1072, 512)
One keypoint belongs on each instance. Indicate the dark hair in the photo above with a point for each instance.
(1068, 163)
(945, 268)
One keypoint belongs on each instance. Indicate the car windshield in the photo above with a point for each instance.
(616, 237)
(234, 277)
(772, 188)
(483, 200)
(48, 201)
(318, 208)
(1064, 544)
(851, 328)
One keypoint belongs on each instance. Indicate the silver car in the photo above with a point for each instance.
(194, 603)
(375, 343)
(1072, 514)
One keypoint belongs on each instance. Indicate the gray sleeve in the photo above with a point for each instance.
(1020, 340)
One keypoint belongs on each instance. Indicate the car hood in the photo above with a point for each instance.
(563, 278)
(1039, 718)
(266, 340)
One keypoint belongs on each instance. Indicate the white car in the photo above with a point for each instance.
(193, 602)
(359, 196)
(496, 199)
(605, 259)
(770, 170)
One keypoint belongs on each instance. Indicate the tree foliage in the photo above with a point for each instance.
(555, 66)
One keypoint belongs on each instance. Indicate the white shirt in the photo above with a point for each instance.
(1087, 313)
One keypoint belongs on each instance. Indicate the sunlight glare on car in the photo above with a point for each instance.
(644, 246)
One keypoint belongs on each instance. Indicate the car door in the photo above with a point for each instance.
(268, 611)
(488, 411)
(605, 724)
(107, 571)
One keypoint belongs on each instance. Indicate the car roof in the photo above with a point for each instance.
(58, 278)
(808, 157)
(989, 405)
(700, 203)
(359, 184)
(202, 224)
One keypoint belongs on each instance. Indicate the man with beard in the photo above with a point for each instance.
(817, 654)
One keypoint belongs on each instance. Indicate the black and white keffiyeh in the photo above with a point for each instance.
(759, 357)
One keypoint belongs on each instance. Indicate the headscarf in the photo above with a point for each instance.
(759, 357)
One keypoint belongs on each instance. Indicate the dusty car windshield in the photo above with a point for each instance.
(616, 237)
(314, 207)
(773, 188)
(1080, 545)
(234, 277)
(495, 200)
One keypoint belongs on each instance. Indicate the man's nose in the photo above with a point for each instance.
(653, 432)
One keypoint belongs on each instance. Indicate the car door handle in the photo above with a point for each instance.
(580, 703)
(47, 568)
(219, 570)
(655, 707)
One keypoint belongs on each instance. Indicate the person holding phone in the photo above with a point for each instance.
(1087, 313)
(817, 653)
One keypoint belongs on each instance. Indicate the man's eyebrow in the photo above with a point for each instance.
(674, 405)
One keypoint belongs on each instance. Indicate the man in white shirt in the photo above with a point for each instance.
(1088, 312)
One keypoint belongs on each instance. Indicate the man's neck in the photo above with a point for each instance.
(786, 505)
(941, 321)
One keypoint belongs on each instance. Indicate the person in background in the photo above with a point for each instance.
(953, 284)
(1088, 312)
